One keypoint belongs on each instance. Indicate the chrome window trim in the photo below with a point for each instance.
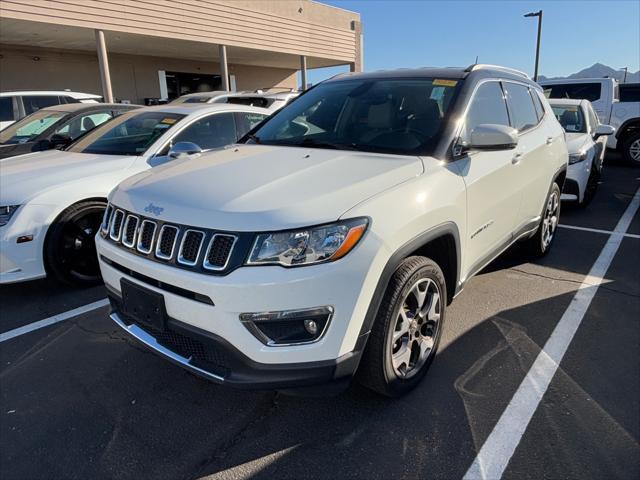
(206, 265)
(153, 236)
(112, 235)
(181, 259)
(159, 241)
(135, 232)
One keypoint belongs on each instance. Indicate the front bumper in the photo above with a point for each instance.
(204, 312)
(576, 182)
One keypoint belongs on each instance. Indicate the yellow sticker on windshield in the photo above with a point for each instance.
(441, 82)
(169, 121)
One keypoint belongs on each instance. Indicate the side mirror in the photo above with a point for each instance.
(184, 150)
(42, 145)
(60, 141)
(488, 136)
(603, 130)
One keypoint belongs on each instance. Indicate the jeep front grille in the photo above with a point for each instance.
(205, 250)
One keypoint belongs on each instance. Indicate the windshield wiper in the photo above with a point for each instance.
(312, 143)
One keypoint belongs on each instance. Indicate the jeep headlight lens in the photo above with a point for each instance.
(6, 213)
(308, 246)
(577, 157)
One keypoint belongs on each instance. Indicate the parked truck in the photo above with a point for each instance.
(616, 104)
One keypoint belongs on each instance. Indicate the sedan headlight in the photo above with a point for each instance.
(577, 157)
(308, 246)
(6, 213)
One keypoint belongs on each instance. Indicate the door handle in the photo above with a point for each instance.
(549, 140)
(516, 158)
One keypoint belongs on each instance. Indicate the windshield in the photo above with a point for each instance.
(399, 116)
(129, 134)
(570, 117)
(30, 127)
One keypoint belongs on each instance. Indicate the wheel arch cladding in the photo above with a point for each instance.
(440, 243)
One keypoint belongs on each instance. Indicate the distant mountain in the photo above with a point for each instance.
(598, 70)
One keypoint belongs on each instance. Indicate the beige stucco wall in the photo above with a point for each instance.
(299, 27)
(133, 77)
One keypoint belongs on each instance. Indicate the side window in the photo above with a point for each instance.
(523, 113)
(84, 123)
(245, 121)
(630, 93)
(33, 103)
(488, 106)
(537, 103)
(6, 109)
(210, 132)
(68, 99)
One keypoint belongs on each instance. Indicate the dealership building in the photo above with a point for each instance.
(136, 50)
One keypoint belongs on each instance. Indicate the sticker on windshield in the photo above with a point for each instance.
(168, 121)
(441, 82)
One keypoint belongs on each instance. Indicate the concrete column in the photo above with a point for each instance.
(224, 68)
(303, 72)
(103, 61)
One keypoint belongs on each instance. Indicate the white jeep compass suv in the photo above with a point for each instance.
(329, 242)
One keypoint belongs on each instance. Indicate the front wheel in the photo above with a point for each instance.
(70, 249)
(407, 329)
(540, 243)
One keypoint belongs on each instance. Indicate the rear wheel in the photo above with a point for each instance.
(70, 249)
(407, 329)
(631, 148)
(540, 243)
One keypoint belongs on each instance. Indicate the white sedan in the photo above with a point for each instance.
(51, 203)
(586, 142)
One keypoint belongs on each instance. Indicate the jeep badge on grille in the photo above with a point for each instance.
(151, 208)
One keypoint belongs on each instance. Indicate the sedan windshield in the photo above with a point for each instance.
(570, 117)
(399, 116)
(130, 134)
(30, 127)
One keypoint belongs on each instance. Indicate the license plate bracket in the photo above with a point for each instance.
(142, 305)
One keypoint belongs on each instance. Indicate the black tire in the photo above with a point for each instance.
(627, 145)
(540, 244)
(69, 250)
(376, 370)
(591, 188)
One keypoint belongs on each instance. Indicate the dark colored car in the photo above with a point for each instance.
(56, 127)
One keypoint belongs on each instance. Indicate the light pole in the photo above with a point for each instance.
(539, 15)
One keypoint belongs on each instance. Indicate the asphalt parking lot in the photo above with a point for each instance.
(80, 400)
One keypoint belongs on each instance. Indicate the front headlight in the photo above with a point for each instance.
(577, 157)
(6, 213)
(308, 246)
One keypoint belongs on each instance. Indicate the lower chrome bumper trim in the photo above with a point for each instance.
(150, 341)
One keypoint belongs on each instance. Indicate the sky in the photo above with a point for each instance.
(575, 34)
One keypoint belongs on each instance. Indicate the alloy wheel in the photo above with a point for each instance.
(634, 150)
(77, 251)
(550, 221)
(416, 328)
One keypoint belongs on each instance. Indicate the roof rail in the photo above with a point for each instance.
(480, 66)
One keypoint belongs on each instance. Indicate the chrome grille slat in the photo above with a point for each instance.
(106, 219)
(190, 247)
(166, 243)
(129, 231)
(146, 236)
(115, 229)
(219, 251)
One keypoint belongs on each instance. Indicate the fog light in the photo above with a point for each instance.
(311, 327)
(288, 327)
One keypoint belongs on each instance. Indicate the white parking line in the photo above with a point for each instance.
(16, 332)
(499, 447)
(597, 230)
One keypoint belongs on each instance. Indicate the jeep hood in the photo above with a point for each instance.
(24, 176)
(261, 187)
